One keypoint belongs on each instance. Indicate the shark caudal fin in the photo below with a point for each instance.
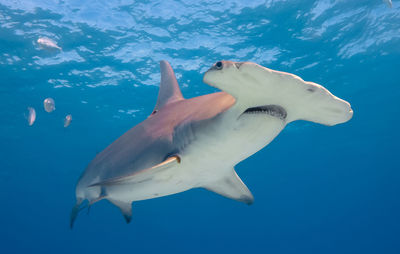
(253, 85)
(75, 211)
(82, 203)
(169, 89)
(125, 208)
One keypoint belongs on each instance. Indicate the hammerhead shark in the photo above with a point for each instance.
(195, 143)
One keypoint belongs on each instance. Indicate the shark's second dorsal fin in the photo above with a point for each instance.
(169, 88)
(231, 186)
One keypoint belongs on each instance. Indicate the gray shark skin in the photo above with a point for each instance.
(195, 143)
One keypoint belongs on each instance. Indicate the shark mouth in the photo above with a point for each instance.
(272, 110)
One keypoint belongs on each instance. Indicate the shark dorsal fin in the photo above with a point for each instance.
(169, 88)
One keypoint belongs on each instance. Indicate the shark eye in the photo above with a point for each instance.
(219, 65)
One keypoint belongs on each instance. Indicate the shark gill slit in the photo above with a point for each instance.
(272, 110)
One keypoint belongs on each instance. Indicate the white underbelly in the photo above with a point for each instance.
(227, 147)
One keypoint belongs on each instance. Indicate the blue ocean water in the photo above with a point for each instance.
(317, 189)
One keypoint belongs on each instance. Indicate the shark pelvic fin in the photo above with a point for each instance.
(169, 88)
(231, 186)
(142, 175)
(125, 207)
(103, 195)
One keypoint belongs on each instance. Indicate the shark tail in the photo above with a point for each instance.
(80, 205)
(75, 211)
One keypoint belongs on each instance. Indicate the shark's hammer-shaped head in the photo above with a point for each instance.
(232, 77)
(287, 96)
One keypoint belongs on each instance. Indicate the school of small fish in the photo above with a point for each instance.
(48, 103)
(49, 106)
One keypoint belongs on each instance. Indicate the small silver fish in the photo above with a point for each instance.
(389, 3)
(48, 43)
(31, 116)
(67, 121)
(49, 105)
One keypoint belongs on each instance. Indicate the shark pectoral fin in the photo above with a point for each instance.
(125, 207)
(231, 186)
(142, 175)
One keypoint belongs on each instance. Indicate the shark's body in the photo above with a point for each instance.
(196, 142)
